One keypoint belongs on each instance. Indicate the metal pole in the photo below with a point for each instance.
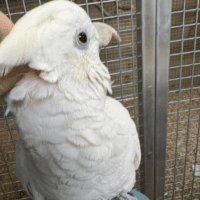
(148, 87)
(162, 85)
(139, 69)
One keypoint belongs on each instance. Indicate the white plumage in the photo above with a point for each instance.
(75, 142)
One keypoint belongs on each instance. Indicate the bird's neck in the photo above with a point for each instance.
(82, 89)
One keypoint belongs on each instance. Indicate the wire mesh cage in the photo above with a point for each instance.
(124, 64)
(183, 151)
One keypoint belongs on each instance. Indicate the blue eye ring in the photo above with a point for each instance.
(81, 39)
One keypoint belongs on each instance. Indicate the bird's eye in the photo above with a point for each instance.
(81, 39)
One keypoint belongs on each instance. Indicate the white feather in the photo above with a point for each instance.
(75, 142)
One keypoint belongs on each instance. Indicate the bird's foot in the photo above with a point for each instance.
(126, 196)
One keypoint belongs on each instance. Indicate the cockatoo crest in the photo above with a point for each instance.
(59, 39)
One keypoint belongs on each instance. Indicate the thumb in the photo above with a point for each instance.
(5, 25)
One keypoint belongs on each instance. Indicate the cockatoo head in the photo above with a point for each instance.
(59, 39)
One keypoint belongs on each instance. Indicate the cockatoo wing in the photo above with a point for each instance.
(126, 126)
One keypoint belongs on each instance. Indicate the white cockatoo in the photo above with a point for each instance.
(76, 143)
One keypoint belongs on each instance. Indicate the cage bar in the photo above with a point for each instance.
(162, 63)
(148, 60)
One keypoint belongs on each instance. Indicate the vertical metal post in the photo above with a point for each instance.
(148, 87)
(162, 69)
(139, 69)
